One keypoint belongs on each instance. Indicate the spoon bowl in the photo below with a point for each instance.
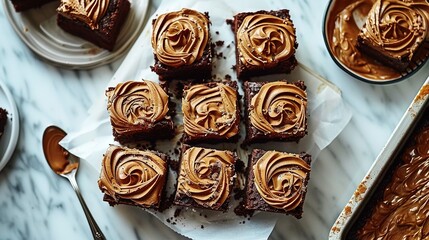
(66, 165)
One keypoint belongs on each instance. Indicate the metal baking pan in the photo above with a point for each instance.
(357, 204)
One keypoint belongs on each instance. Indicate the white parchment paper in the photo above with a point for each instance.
(328, 115)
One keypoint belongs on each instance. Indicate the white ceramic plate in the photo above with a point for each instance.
(39, 30)
(11, 132)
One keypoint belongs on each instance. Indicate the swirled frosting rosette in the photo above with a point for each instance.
(87, 11)
(133, 104)
(397, 28)
(280, 179)
(179, 38)
(265, 40)
(210, 109)
(133, 175)
(206, 177)
(279, 107)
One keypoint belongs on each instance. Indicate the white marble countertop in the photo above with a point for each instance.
(37, 204)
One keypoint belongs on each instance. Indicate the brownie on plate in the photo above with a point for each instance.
(265, 43)
(211, 112)
(181, 43)
(98, 22)
(275, 111)
(206, 178)
(277, 182)
(133, 176)
(139, 110)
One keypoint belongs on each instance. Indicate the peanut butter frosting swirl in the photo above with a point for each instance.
(87, 11)
(132, 104)
(403, 211)
(265, 40)
(280, 179)
(179, 38)
(132, 174)
(206, 176)
(279, 107)
(398, 27)
(210, 110)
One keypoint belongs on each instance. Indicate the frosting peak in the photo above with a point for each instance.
(265, 40)
(206, 176)
(134, 175)
(280, 179)
(132, 104)
(279, 107)
(87, 11)
(179, 38)
(210, 110)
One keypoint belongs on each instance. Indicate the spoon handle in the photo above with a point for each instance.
(96, 232)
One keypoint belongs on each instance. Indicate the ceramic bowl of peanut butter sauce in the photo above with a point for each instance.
(342, 24)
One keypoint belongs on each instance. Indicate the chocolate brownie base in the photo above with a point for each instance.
(244, 71)
(22, 5)
(109, 26)
(253, 135)
(199, 70)
(252, 199)
(400, 64)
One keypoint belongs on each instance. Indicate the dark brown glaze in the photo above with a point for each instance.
(56, 155)
(109, 25)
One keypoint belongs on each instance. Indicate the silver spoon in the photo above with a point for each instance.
(66, 165)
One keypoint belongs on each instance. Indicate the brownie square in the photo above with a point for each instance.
(206, 178)
(211, 112)
(265, 43)
(181, 43)
(3, 120)
(139, 110)
(277, 182)
(394, 41)
(133, 177)
(99, 29)
(275, 111)
(22, 5)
